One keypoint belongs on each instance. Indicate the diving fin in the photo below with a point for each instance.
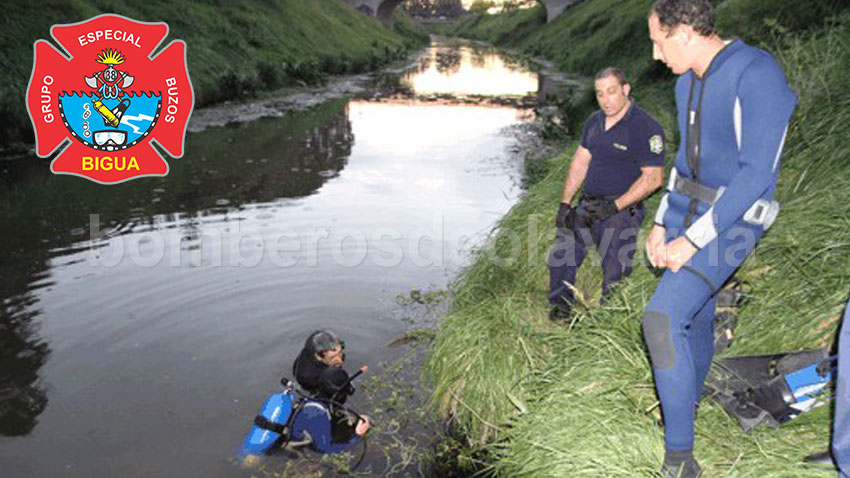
(768, 389)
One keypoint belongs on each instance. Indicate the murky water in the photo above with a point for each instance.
(144, 323)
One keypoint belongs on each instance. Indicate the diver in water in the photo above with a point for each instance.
(290, 421)
(319, 371)
(318, 420)
(318, 368)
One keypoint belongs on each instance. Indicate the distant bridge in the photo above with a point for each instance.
(383, 9)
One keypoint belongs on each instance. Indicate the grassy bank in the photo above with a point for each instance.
(539, 400)
(598, 33)
(505, 29)
(234, 49)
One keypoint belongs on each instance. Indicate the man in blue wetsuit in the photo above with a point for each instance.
(734, 105)
(839, 455)
(841, 428)
(621, 161)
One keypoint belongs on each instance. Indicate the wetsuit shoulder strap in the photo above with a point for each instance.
(266, 424)
(297, 404)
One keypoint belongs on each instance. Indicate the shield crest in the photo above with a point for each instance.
(109, 124)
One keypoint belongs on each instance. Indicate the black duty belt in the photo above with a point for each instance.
(593, 197)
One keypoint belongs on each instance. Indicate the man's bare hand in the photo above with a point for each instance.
(655, 247)
(364, 368)
(363, 426)
(679, 252)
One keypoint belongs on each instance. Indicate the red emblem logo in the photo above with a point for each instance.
(110, 98)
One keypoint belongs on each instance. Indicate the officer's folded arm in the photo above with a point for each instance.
(651, 178)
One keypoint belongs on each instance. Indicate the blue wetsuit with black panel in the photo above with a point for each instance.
(313, 421)
(733, 123)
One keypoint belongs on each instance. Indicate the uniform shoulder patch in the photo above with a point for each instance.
(656, 144)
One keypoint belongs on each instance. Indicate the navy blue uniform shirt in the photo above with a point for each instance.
(636, 141)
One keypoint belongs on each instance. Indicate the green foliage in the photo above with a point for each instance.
(480, 7)
(757, 21)
(504, 29)
(407, 28)
(234, 49)
(585, 38)
(599, 33)
(541, 400)
(593, 35)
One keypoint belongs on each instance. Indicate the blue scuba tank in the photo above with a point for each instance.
(271, 423)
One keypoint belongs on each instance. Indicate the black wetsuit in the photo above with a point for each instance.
(322, 381)
(328, 385)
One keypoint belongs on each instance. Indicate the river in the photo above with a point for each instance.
(144, 323)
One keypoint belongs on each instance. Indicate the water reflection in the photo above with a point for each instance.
(22, 354)
(448, 61)
(410, 127)
(47, 216)
(465, 70)
(139, 357)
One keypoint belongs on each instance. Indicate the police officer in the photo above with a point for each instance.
(734, 105)
(620, 160)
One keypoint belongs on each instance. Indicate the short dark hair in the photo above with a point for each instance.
(698, 14)
(322, 341)
(614, 71)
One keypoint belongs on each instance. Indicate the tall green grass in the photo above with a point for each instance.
(599, 33)
(234, 49)
(540, 400)
(504, 29)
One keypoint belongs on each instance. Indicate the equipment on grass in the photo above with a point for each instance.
(769, 389)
